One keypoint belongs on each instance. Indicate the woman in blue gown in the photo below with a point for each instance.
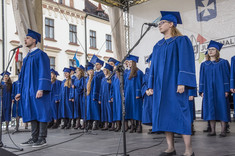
(6, 98)
(79, 111)
(66, 106)
(232, 79)
(172, 73)
(214, 88)
(104, 98)
(132, 92)
(92, 106)
(55, 98)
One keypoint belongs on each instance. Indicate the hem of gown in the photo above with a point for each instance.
(173, 131)
(218, 120)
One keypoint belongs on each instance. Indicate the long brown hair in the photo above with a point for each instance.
(81, 73)
(217, 56)
(175, 32)
(89, 83)
(68, 82)
(134, 70)
(9, 84)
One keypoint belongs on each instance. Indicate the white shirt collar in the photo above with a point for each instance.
(33, 49)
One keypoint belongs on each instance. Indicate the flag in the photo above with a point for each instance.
(206, 10)
(75, 58)
(17, 54)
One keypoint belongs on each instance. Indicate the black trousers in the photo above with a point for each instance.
(38, 130)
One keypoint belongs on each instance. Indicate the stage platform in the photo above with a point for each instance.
(61, 143)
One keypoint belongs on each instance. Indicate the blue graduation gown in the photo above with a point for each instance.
(14, 92)
(6, 103)
(232, 77)
(192, 92)
(35, 75)
(173, 64)
(79, 108)
(214, 82)
(106, 109)
(55, 97)
(117, 100)
(93, 108)
(65, 106)
(133, 90)
(147, 101)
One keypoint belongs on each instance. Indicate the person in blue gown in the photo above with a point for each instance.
(112, 61)
(34, 90)
(214, 88)
(232, 79)
(98, 76)
(147, 100)
(104, 98)
(92, 106)
(133, 96)
(55, 98)
(192, 93)
(117, 100)
(16, 108)
(79, 109)
(72, 92)
(172, 73)
(66, 105)
(6, 100)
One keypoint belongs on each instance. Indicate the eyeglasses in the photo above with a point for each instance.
(162, 22)
(212, 49)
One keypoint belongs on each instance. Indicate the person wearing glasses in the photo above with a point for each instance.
(214, 88)
(171, 75)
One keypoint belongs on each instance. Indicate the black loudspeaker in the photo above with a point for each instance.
(4, 152)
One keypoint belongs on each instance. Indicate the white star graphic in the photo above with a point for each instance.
(206, 7)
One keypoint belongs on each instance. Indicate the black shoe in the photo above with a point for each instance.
(40, 143)
(63, 126)
(168, 154)
(211, 134)
(190, 155)
(30, 142)
(50, 124)
(207, 130)
(223, 134)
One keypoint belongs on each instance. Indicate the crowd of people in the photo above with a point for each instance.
(162, 97)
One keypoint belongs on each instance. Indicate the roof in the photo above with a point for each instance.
(120, 3)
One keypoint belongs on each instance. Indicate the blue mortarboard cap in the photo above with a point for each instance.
(34, 35)
(67, 70)
(81, 67)
(108, 66)
(171, 16)
(112, 60)
(215, 44)
(90, 66)
(6, 73)
(55, 72)
(72, 68)
(117, 63)
(93, 59)
(149, 58)
(99, 61)
(133, 58)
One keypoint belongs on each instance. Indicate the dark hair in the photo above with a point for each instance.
(134, 70)
(9, 84)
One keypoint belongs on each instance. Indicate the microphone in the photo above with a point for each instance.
(154, 23)
(20, 46)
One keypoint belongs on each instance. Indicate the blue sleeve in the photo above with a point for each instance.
(226, 75)
(13, 91)
(58, 90)
(186, 75)
(144, 86)
(139, 83)
(151, 70)
(232, 74)
(44, 73)
(192, 92)
(201, 79)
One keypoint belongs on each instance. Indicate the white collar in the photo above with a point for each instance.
(33, 49)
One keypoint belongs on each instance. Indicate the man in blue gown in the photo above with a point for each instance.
(34, 90)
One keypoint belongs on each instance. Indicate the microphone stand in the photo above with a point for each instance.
(120, 68)
(1, 106)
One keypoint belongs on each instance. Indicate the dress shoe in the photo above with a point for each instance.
(168, 153)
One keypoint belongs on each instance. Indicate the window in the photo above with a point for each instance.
(72, 33)
(108, 42)
(72, 62)
(52, 62)
(19, 63)
(92, 39)
(49, 28)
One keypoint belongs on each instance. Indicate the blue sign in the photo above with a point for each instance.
(206, 10)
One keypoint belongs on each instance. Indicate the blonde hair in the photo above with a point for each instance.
(134, 70)
(89, 83)
(217, 56)
(81, 73)
(175, 32)
(68, 82)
